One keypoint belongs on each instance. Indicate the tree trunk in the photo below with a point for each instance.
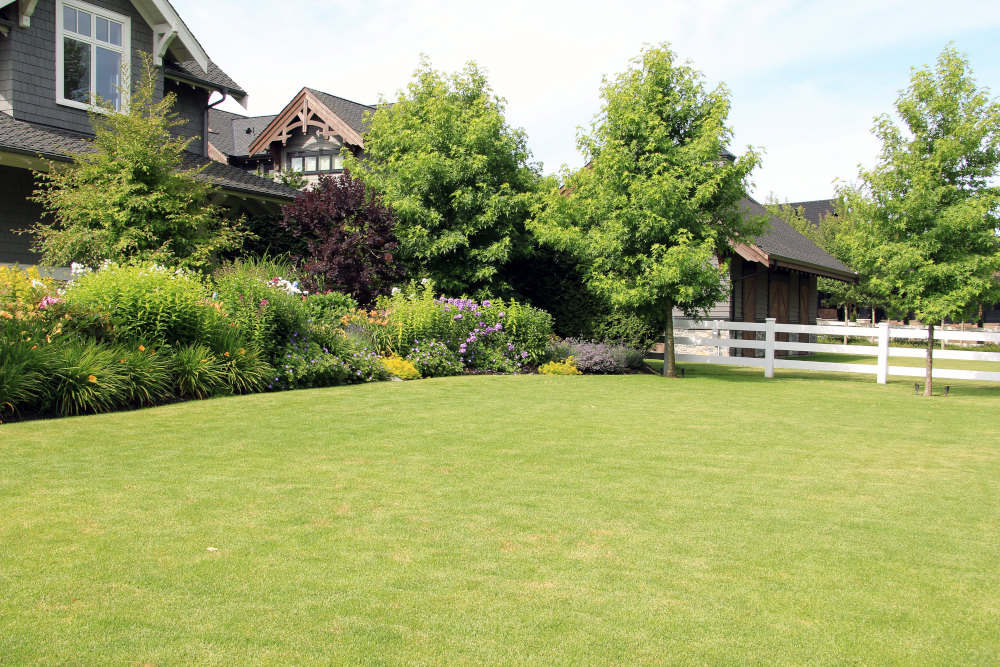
(847, 319)
(929, 381)
(669, 361)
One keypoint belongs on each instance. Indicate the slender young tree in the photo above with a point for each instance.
(127, 198)
(927, 232)
(652, 213)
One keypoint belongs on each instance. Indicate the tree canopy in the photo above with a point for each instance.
(457, 175)
(927, 232)
(128, 198)
(651, 214)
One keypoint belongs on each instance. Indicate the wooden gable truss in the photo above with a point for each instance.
(303, 112)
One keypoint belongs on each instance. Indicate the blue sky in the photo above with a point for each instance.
(807, 78)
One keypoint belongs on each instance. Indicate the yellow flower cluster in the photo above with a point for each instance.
(401, 368)
(567, 367)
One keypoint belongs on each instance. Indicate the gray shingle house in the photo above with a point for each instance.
(57, 57)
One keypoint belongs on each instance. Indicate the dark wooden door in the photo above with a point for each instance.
(804, 300)
(779, 308)
(749, 312)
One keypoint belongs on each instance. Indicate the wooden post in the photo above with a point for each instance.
(929, 378)
(882, 375)
(769, 346)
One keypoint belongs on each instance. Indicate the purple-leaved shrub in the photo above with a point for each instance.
(608, 358)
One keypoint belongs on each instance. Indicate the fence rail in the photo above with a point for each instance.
(689, 334)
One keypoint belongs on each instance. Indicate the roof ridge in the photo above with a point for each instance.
(342, 99)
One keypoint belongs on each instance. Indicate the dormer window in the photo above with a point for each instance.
(91, 45)
(323, 161)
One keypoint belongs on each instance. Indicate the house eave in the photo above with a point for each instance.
(808, 267)
(238, 95)
(161, 16)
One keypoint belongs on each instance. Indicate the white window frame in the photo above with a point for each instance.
(126, 53)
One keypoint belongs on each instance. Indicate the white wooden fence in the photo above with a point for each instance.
(707, 334)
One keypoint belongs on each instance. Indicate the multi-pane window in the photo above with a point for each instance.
(316, 162)
(91, 46)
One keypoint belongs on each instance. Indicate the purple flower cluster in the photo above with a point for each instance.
(307, 363)
(461, 304)
(432, 358)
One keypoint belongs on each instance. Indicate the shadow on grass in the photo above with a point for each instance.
(744, 374)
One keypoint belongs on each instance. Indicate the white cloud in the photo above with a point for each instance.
(806, 77)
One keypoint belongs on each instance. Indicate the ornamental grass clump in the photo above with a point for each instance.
(146, 376)
(24, 371)
(197, 372)
(86, 377)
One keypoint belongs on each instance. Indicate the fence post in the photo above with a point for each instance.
(769, 347)
(882, 375)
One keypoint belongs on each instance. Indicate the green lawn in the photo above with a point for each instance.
(719, 519)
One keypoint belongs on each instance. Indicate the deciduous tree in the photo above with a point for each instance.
(927, 211)
(658, 202)
(458, 176)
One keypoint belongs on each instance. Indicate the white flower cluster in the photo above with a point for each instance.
(288, 286)
(76, 269)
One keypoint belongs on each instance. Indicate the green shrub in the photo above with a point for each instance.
(262, 298)
(329, 307)
(197, 372)
(567, 367)
(411, 314)
(149, 304)
(86, 377)
(399, 367)
(632, 331)
(492, 335)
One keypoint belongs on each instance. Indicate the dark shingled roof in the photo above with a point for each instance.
(40, 140)
(782, 241)
(214, 78)
(815, 209)
(220, 130)
(350, 112)
(228, 131)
